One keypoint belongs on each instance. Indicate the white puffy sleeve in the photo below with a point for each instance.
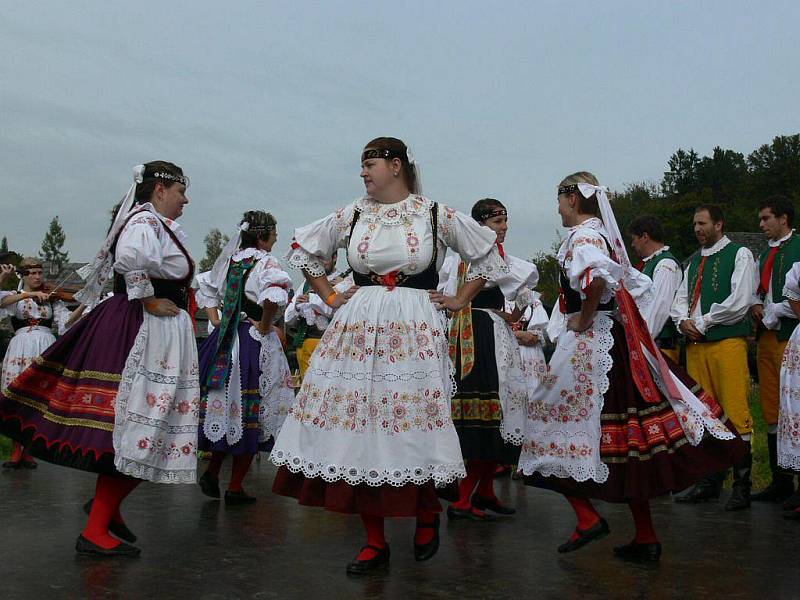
(448, 275)
(317, 242)
(207, 294)
(587, 258)
(736, 306)
(268, 281)
(667, 278)
(6, 311)
(139, 252)
(473, 242)
(517, 285)
(791, 287)
(60, 316)
(538, 319)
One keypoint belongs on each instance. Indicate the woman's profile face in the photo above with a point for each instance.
(499, 225)
(271, 239)
(377, 174)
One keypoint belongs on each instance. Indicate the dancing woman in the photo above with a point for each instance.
(488, 408)
(370, 432)
(244, 376)
(118, 393)
(612, 421)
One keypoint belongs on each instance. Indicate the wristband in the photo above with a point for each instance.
(329, 300)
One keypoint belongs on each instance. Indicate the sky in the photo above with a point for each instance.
(267, 105)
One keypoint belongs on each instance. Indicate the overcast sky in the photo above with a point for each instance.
(268, 104)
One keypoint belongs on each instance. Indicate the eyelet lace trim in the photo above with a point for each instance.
(417, 475)
(300, 259)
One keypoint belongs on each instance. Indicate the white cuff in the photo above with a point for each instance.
(138, 285)
(300, 259)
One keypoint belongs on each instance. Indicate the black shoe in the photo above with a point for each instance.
(236, 498)
(492, 504)
(84, 546)
(633, 552)
(119, 530)
(776, 491)
(792, 515)
(28, 464)
(595, 532)
(12, 464)
(209, 483)
(426, 551)
(793, 502)
(701, 491)
(456, 514)
(363, 567)
(740, 495)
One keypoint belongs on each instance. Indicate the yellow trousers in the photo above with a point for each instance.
(674, 354)
(304, 353)
(721, 369)
(770, 355)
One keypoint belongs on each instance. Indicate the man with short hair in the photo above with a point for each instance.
(775, 320)
(658, 263)
(711, 309)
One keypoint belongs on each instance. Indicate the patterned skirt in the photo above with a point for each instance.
(62, 405)
(643, 445)
(476, 406)
(247, 428)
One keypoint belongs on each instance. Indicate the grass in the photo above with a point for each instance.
(5, 448)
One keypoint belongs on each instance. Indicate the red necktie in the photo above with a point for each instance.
(698, 285)
(640, 266)
(766, 274)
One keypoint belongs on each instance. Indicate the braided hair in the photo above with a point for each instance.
(260, 225)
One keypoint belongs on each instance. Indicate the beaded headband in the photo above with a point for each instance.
(567, 189)
(492, 212)
(383, 153)
(170, 177)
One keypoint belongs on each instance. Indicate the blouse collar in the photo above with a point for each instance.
(719, 245)
(173, 226)
(244, 253)
(413, 204)
(776, 243)
(656, 253)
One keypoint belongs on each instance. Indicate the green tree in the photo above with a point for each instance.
(214, 241)
(4, 245)
(52, 244)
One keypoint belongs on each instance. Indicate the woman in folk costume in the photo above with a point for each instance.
(244, 376)
(118, 393)
(370, 431)
(33, 316)
(488, 408)
(611, 420)
(789, 416)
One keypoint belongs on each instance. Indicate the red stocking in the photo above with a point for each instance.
(108, 495)
(586, 513)
(467, 485)
(423, 535)
(645, 534)
(241, 464)
(486, 483)
(17, 452)
(215, 464)
(375, 536)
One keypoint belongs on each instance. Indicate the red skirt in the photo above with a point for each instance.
(641, 464)
(339, 496)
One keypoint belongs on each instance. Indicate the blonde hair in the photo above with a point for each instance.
(586, 206)
(30, 262)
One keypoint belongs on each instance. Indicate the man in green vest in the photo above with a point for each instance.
(776, 321)
(658, 263)
(712, 309)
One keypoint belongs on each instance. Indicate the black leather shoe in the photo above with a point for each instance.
(644, 553)
(364, 567)
(595, 532)
(12, 464)
(492, 504)
(28, 464)
(237, 498)
(209, 483)
(426, 551)
(119, 530)
(777, 491)
(84, 546)
(699, 492)
(793, 502)
(456, 514)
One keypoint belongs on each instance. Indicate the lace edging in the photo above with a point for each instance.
(147, 472)
(572, 471)
(374, 477)
(300, 259)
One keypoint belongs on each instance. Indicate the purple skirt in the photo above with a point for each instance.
(62, 406)
(249, 364)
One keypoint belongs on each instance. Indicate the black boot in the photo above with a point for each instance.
(781, 486)
(708, 488)
(793, 501)
(740, 496)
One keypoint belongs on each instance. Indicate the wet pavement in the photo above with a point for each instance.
(194, 547)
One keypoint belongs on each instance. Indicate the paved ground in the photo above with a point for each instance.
(193, 547)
